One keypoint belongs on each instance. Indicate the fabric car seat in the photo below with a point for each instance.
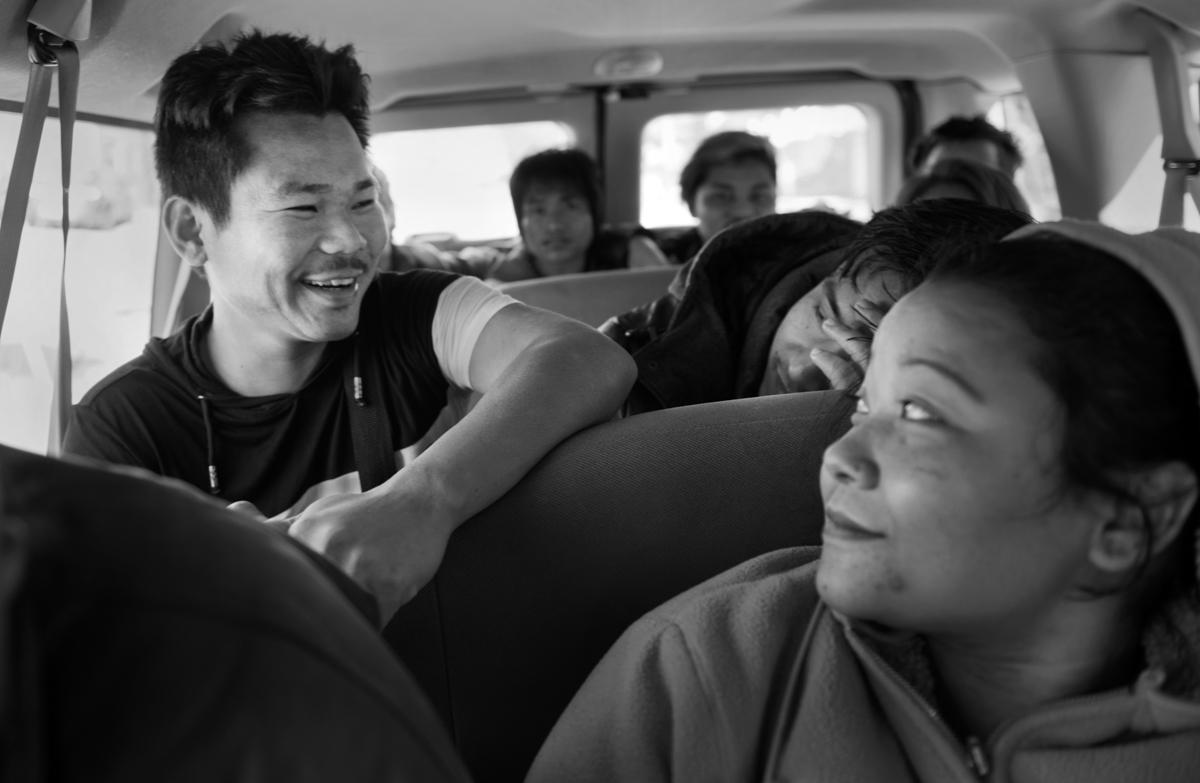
(593, 297)
(157, 636)
(613, 522)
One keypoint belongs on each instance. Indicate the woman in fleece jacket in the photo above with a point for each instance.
(1008, 584)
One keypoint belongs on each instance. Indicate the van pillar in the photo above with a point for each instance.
(1097, 114)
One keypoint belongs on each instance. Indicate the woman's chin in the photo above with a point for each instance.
(857, 593)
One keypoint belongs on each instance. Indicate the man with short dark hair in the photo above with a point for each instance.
(559, 204)
(970, 138)
(786, 303)
(891, 256)
(261, 150)
(729, 178)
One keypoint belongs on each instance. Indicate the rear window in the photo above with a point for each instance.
(110, 269)
(454, 181)
(821, 152)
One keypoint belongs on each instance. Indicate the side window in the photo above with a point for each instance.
(1035, 178)
(821, 152)
(454, 181)
(1136, 206)
(110, 269)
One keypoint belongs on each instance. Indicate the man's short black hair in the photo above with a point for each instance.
(720, 149)
(198, 150)
(573, 170)
(965, 129)
(909, 241)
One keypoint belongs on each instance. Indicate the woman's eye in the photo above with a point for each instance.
(915, 411)
(303, 208)
(366, 203)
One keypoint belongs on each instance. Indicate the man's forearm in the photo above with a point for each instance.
(553, 389)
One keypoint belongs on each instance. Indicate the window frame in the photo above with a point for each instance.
(878, 100)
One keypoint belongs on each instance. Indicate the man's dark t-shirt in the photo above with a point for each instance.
(281, 451)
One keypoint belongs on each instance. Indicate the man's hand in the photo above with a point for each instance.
(387, 542)
(249, 509)
(847, 369)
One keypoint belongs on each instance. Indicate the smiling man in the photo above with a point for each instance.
(261, 150)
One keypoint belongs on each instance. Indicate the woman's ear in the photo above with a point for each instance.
(1165, 496)
(183, 222)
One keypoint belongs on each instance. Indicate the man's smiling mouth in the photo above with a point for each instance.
(334, 284)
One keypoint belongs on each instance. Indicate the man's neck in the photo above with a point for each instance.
(1086, 647)
(254, 364)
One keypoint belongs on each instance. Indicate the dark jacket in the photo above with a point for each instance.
(708, 338)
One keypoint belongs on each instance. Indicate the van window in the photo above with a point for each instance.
(110, 268)
(454, 181)
(1035, 178)
(821, 152)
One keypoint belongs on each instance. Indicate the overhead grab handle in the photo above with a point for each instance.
(1180, 130)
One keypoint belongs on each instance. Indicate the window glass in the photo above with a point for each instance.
(110, 269)
(455, 180)
(1035, 178)
(1137, 204)
(821, 153)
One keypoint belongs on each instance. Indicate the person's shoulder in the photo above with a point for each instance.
(779, 583)
(134, 379)
(737, 626)
(392, 284)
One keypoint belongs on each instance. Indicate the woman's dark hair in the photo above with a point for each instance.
(988, 185)
(197, 149)
(1109, 348)
(721, 149)
(573, 170)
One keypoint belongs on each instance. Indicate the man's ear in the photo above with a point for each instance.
(183, 221)
(1166, 496)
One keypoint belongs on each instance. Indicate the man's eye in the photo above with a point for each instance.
(365, 203)
(303, 208)
(915, 411)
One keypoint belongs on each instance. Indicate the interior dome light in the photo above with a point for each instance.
(633, 63)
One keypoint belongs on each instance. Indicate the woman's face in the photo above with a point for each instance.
(943, 504)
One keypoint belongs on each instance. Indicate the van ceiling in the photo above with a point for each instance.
(438, 47)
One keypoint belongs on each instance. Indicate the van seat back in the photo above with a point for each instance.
(593, 297)
(615, 521)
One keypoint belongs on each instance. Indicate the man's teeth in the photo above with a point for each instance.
(342, 282)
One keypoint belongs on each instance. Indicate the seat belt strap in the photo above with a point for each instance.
(68, 93)
(362, 379)
(1180, 130)
(12, 222)
(1183, 179)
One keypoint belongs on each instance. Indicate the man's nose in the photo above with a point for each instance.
(741, 209)
(342, 235)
